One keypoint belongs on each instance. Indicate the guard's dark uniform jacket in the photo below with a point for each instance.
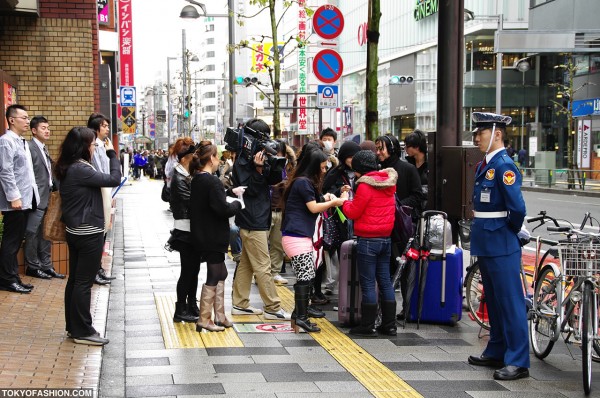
(497, 189)
(499, 213)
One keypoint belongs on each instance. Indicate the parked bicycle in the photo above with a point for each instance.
(565, 298)
(474, 293)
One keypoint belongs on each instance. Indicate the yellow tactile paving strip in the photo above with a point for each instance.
(372, 374)
(184, 335)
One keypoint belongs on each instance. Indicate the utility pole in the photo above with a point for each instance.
(183, 77)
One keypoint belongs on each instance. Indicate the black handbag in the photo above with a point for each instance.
(332, 231)
(178, 240)
(165, 194)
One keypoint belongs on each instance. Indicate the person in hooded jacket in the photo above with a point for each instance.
(372, 210)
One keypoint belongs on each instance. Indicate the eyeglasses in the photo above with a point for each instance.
(21, 117)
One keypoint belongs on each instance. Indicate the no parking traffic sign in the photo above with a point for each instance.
(328, 66)
(328, 21)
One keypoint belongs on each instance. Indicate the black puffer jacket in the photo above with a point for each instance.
(180, 194)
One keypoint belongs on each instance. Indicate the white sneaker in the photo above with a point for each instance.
(245, 311)
(280, 315)
(280, 280)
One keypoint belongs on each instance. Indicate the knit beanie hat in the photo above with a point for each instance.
(364, 161)
(347, 150)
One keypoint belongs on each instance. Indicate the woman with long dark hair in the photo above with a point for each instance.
(186, 309)
(209, 216)
(303, 203)
(83, 214)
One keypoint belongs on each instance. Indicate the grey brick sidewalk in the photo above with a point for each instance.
(433, 359)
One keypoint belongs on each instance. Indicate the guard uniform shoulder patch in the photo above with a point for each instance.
(489, 175)
(509, 177)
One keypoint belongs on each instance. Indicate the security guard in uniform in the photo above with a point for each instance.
(498, 217)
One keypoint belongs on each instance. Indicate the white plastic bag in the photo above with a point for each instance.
(438, 227)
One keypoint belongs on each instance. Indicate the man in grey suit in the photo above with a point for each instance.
(18, 196)
(38, 249)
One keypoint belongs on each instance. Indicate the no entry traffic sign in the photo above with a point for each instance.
(328, 66)
(328, 22)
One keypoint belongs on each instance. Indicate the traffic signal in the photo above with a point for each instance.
(401, 79)
(187, 107)
(246, 80)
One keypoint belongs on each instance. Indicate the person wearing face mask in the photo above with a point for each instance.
(329, 138)
(209, 218)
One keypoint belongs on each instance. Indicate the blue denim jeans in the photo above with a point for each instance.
(373, 260)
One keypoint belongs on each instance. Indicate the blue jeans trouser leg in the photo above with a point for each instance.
(373, 260)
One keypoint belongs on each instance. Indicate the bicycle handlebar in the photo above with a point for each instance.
(558, 229)
(536, 219)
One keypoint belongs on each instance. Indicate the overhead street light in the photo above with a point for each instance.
(190, 12)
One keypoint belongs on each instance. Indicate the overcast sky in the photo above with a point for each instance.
(157, 35)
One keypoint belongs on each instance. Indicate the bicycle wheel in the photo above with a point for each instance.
(587, 335)
(475, 297)
(542, 325)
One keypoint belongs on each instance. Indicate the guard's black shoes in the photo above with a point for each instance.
(103, 275)
(55, 274)
(511, 373)
(100, 281)
(15, 288)
(485, 361)
(94, 339)
(37, 273)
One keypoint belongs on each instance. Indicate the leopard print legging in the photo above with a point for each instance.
(304, 267)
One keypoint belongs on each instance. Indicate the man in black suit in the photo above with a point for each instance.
(38, 249)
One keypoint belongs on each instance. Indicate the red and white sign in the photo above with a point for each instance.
(328, 66)
(302, 71)
(125, 43)
(584, 143)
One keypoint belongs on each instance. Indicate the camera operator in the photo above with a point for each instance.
(257, 174)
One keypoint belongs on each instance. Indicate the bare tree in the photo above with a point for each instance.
(567, 91)
(372, 127)
(274, 58)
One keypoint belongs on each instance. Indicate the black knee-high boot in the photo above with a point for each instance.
(388, 318)
(301, 293)
(367, 321)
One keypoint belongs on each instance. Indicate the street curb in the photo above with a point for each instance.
(561, 191)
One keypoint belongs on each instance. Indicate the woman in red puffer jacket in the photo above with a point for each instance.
(373, 212)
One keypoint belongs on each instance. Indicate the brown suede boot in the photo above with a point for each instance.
(207, 299)
(220, 317)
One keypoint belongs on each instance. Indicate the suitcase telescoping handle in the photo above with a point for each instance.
(426, 214)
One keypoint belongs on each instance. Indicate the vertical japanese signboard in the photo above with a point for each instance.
(125, 43)
(302, 82)
(125, 49)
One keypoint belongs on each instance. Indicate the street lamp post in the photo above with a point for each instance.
(190, 12)
(183, 76)
(169, 106)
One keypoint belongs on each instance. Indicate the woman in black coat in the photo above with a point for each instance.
(209, 216)
(83, 214)
(186, 309)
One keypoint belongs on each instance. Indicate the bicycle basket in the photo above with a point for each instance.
(580, 258)
(464, 230)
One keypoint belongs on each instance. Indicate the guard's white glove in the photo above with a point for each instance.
(524, 236)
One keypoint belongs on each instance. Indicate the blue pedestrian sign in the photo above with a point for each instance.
(127, 96)
(327, 96)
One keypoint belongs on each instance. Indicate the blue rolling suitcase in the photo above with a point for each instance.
(442, 291)
(433, 311)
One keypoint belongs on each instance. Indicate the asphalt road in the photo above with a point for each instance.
(565, 208)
